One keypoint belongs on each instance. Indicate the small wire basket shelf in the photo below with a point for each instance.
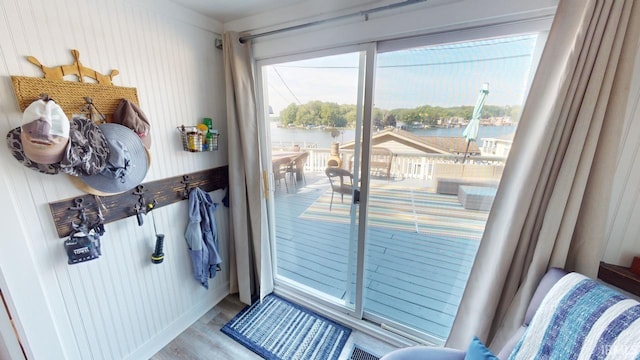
(194, 141)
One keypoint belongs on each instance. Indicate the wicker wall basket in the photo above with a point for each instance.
(70, 95)
(194, 141)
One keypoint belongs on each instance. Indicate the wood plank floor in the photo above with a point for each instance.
(204, 340)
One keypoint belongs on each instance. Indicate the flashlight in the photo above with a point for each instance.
(158, 256)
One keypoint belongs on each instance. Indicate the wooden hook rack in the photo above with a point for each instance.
(116, 207)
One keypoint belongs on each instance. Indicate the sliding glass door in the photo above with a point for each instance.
(384, 166)
(315, 108)
(444, 119)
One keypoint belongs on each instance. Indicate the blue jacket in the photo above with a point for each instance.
(202, 236)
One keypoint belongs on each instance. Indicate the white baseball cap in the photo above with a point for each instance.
(45, 132)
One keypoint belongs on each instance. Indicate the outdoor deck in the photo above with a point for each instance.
(420, 248)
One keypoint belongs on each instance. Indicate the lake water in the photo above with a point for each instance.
(323, 139)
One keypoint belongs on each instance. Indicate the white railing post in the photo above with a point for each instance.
(404, 165)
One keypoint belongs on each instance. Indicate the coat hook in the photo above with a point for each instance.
(140, 190)
(140, 208)
(186, 181)
(81, 209)
(89, 107)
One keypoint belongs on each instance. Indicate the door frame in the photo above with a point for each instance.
(9, 344)
(365, 148)
(392, 333)
(365, 99)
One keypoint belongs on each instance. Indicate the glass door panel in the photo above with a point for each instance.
(313, 122)
(431, 188)
(437, 138)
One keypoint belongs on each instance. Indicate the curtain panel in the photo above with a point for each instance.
(552, 204)
(249, 251)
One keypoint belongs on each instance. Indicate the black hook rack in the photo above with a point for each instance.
(163, 192)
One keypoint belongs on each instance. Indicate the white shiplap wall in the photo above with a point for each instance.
(119, 306)
(624, 218)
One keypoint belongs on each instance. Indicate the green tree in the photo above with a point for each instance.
(308, 114)
(330, 114)
(288, 114)
(389, 120)
(349, 114)
(377, 117)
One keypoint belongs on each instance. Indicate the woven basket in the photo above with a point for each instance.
(70, 95)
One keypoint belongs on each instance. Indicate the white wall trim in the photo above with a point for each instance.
(161, 339)
(9, 345)
(34, 319)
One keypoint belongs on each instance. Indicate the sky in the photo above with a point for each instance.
(443, 75)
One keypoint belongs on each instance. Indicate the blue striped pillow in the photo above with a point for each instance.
(580, 318)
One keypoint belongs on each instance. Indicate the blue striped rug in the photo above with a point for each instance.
(280, 330)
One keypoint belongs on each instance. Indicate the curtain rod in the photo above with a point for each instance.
(364, 13)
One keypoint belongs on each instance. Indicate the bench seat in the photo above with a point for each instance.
(476, 197)
(449, 186)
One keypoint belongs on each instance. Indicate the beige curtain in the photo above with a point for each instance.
(552, 204)
(250, 254)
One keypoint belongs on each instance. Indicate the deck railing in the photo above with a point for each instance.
(426, 167)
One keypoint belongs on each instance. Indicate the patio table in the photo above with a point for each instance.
(286, 157)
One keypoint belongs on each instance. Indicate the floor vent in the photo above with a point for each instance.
(359, 353)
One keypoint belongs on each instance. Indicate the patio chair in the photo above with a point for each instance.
(341, 181)
(380, 164)
(279, 168)
(381, 161)
(296, 168)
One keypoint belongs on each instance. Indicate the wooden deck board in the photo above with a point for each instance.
(422, 300)
(408, 259)
(317, 241)
(384, 305)
(333, 239)
(413, 277)
(434, 285)
(409, 305)
(330, 267)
